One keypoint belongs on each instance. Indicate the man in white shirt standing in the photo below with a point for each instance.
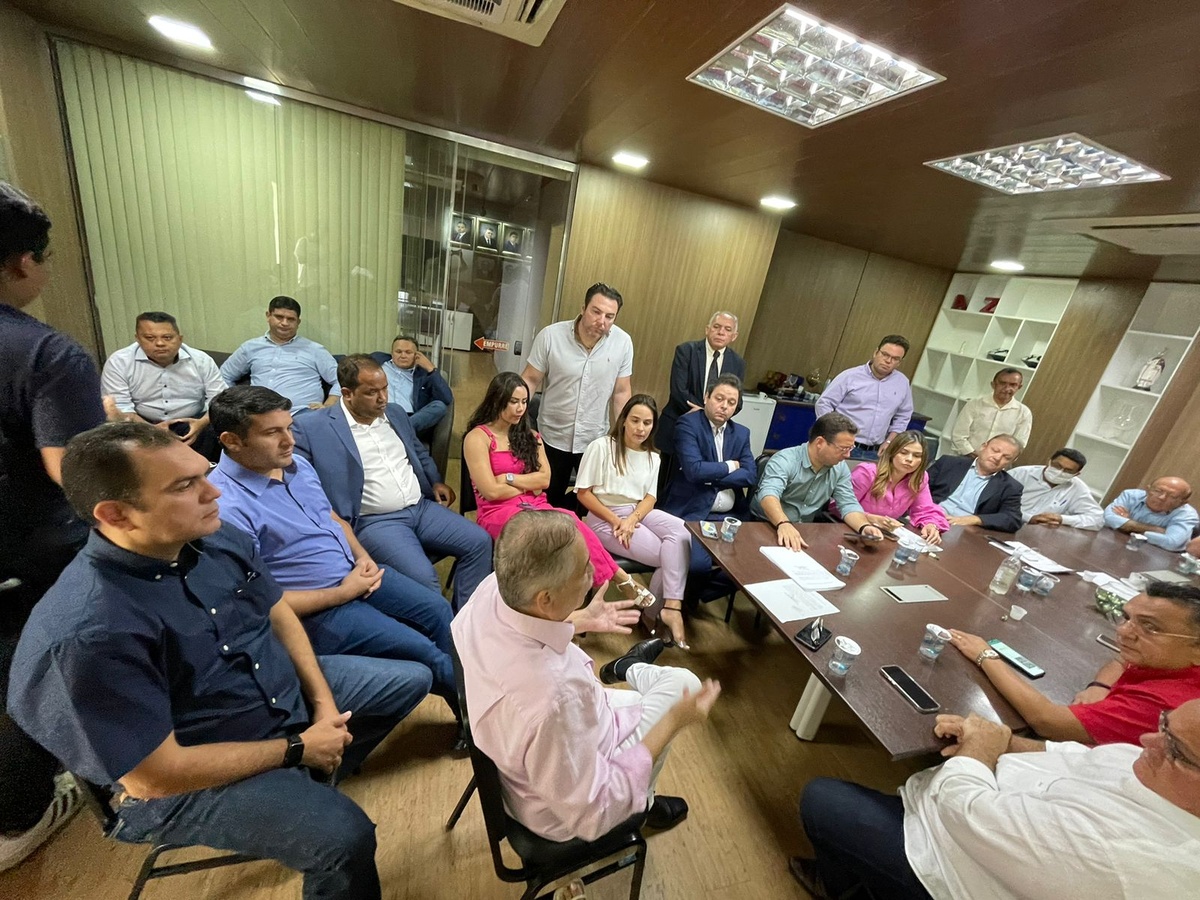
(1055, 495)
(1001, 413)
(583, 368)
(1008, 817)
(161, 380)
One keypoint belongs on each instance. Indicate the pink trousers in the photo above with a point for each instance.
(660, 540)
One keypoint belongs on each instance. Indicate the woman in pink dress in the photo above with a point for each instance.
(509, 473)
(897, 486)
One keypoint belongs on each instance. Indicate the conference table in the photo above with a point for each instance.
(1058, 632)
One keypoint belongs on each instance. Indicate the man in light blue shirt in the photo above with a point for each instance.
(284, 362)
(877, 397)
(1161, 513)
(798, 481)
(415, 385)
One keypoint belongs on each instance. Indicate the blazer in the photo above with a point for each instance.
(689, 374)
(701, 475)
(427, 386)
(999, 505)
(323, 438)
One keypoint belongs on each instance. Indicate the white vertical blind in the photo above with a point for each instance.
(202, 202)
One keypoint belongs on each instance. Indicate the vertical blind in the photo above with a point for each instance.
(203, 202)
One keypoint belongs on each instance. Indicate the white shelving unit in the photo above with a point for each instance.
(955, 366)
(1167, 320)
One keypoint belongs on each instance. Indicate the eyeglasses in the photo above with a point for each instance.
(1174, 750)
(889, 356)
(1160, 492)
(1123, 618)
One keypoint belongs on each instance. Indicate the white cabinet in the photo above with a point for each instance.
(1023, 315)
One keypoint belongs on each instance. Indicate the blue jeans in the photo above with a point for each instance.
(400, 539)
(863, 453)
(427, 416)
(283, 814)
(402, 619)
(858, 836)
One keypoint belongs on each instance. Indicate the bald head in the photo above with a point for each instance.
(1167, 493)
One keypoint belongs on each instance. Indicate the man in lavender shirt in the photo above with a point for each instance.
(877, 398)
(576, 759)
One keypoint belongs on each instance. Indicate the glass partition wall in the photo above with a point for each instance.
(205, 200)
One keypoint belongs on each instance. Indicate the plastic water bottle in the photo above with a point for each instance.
(1003, 580)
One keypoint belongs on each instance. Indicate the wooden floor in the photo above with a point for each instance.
(741, 775)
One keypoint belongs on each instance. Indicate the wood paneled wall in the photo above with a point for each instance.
(30, 125)
(1167, 445)
(675, 257)
(1088, 333)
(825, 306)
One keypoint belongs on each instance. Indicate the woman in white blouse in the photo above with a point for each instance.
(616, 484)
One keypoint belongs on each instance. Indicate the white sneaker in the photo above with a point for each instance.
(67, 800)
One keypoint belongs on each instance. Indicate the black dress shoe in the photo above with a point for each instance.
(641, 652)
(666, 812)
(804, 870)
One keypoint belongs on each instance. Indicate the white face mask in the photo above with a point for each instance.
(1058, 476)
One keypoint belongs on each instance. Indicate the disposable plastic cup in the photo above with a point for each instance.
(849, 558)
(934, 641)
(1017, 613)
(729, 529)
(845, 652)
(1045, 584)
(1027, 578)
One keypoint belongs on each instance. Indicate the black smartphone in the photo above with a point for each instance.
(913, 692)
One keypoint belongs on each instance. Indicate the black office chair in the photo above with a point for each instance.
(544, 863)
(99, 799)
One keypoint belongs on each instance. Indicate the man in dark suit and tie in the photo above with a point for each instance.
(977, 490)
(379, 478)
(697, 364)
(716, 464)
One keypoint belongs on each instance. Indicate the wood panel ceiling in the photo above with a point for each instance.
(612, 73)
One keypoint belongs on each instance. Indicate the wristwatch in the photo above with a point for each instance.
(989, 653)
(294, 752)
(509, 477)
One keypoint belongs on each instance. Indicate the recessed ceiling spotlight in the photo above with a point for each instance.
(629, 160)
(263, 98)
(796, 66)
(265, 87)
(1006, 265)
(180, 32)
(1060, 163)
(780, 204)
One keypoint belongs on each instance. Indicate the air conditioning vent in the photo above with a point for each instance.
(527, 21)
(1175, 235)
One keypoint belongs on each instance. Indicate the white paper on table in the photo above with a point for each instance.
(1032, 558)
(1109, 583)
(802, 569)
(788, 602)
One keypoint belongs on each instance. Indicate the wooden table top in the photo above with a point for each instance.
(1058, 633)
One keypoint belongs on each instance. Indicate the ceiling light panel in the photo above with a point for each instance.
(798, 67)
(1060, 163)
(180, 32)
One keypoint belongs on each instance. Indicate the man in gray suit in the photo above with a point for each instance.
(696, 365)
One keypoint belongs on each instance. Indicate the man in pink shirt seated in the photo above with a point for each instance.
(1159, 668)
(576, 759)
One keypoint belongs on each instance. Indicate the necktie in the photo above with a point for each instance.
(713, 373)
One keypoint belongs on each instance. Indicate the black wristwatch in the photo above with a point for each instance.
(294, 752)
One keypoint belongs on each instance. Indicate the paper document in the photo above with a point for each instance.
(788, 602)
(1032, 558)
(802, 569)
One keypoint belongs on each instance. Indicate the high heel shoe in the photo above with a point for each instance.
(677, 639)
(641, 597)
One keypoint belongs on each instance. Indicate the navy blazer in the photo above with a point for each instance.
(701, 475)
(427, 386)
(999, 505)
(689, 375)
(323, 438)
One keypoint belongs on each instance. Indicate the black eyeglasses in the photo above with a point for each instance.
(1174, 750)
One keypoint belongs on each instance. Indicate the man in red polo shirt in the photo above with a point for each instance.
(1159, 668)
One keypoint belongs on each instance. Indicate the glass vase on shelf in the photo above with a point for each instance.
(1151, 371)
(1118, 425)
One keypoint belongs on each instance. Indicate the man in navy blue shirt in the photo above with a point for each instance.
(49, 392)
(163, 663)
(347, 603)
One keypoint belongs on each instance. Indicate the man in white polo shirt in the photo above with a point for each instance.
(583, 368)
(161, 380)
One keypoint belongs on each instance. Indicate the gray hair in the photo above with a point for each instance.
(723, 314)
(1009, 439)
(530, 555)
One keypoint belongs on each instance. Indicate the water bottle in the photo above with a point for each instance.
(1003, 580)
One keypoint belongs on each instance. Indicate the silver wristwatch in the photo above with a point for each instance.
(989, 653)
(509, 477)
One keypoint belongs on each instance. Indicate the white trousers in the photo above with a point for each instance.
(657, 689)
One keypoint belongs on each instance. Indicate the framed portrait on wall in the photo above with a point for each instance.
(513, 240)
(462, 231)
(487, 235)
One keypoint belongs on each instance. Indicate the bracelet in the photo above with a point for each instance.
(868, 525)
(1107, 687)
(779, 525)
